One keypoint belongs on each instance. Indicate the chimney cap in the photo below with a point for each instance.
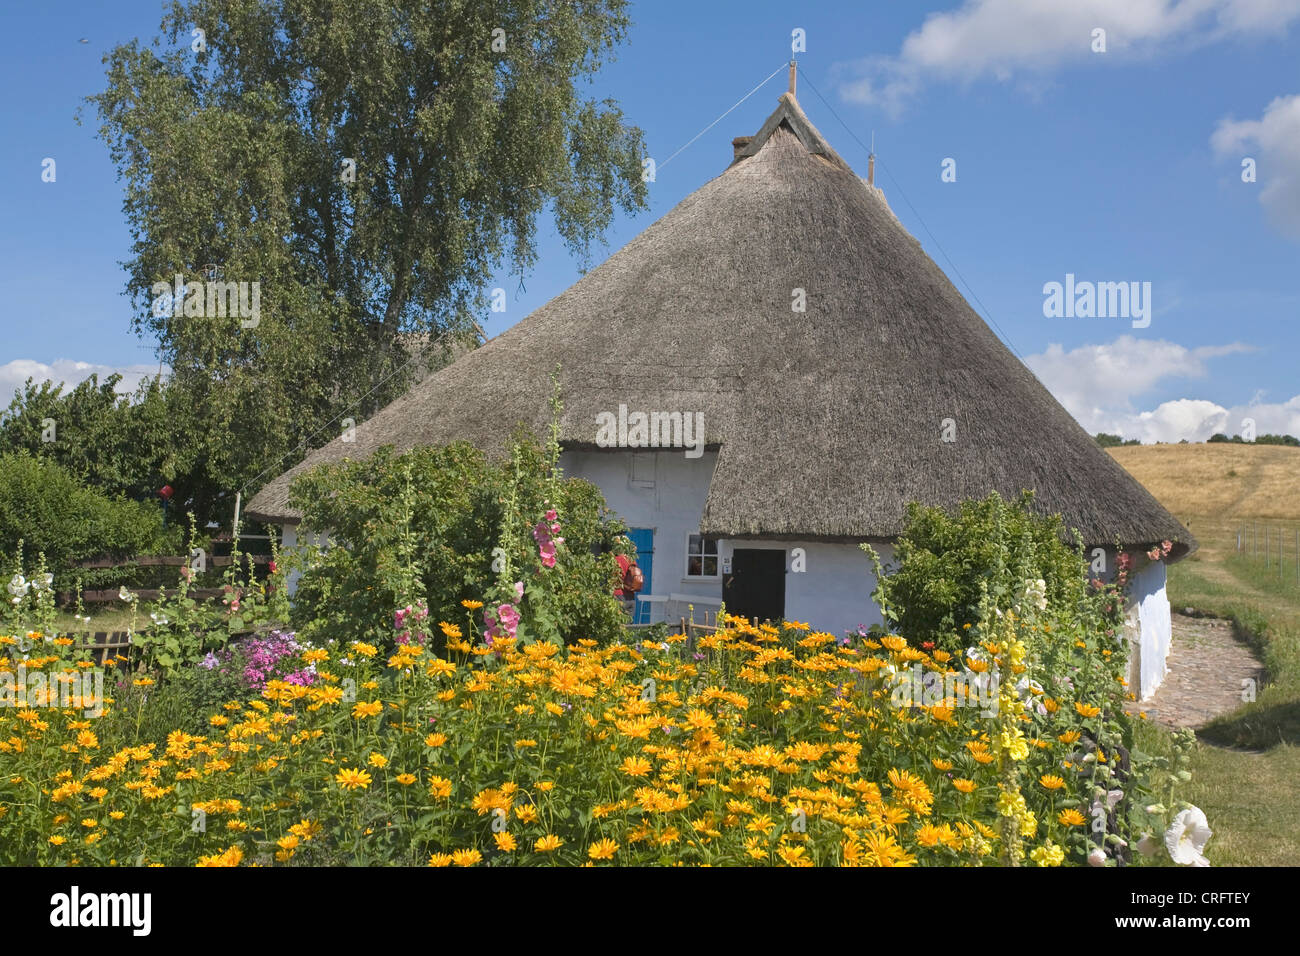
(738, 146)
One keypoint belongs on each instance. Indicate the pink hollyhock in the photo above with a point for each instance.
(519, 590)
(543, 534)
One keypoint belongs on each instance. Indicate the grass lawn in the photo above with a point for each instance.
(104, 617)
(1247, 767)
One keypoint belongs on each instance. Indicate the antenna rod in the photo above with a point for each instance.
(792, 71)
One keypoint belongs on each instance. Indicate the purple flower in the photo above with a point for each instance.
(262, 658)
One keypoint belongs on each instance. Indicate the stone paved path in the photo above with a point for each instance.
(1207, 665)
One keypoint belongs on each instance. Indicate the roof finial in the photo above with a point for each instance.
(871, 161)
(792, 72)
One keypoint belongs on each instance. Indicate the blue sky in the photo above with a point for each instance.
(1122, 165)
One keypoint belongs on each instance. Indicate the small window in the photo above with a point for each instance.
(643, 470)
(701, 557)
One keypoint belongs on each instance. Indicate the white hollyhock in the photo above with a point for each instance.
(1148, 845)
(1187, 836)
(1036, 594)
(1097, 857)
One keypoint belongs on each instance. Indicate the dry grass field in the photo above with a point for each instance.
(1219, 481)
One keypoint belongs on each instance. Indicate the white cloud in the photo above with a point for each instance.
(1098, 384)
(1093, 377)
(14, 374)
(1006, 38)
(1273, 141)
(1198, 419)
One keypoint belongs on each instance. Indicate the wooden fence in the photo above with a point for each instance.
(155, 561)
(171, 561)
(104, 644)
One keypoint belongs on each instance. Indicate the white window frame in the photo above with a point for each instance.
(704, 543)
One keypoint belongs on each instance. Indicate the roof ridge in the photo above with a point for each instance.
(792, 115)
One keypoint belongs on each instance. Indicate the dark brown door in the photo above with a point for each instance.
(755, 587)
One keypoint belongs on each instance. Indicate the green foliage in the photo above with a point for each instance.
(54, 513)
(963, 582)
(1106, 440)
(949, 568)
(27, 604)
(120, 444)
(1270, 439)
(233, 158)
(116, 443)
(183, 701)
(183, 629)
(443, 525)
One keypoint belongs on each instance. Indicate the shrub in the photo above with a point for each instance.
(948, 567)
(420, 532)
(52, 512)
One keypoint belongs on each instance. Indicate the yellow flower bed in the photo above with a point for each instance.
(756, 746)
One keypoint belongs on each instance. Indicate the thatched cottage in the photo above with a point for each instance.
(811, 371)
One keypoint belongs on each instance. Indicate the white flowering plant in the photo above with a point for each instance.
(29, 598)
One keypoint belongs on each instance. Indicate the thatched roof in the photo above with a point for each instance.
(827, 422)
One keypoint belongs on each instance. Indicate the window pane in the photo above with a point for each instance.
(710, 567)
(693, 567)
(711, 547)
(693, 544)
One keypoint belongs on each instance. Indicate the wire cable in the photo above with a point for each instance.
(723, 116)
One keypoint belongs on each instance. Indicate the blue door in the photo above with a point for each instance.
(644, 541)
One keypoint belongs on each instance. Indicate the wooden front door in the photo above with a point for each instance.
(755, 588)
